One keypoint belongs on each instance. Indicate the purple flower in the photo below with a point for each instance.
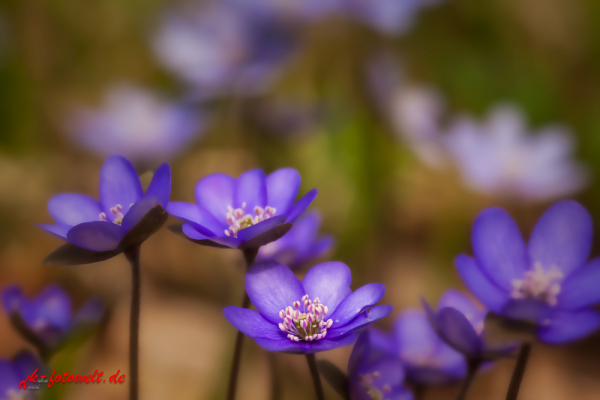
(427, 359)
(320, 313)
(101, 225)
(460, 322)
(230, 212)
(548, 283)
(374, 374)
(48, 318)
(137, 124)
(16, 370)
(300, 245)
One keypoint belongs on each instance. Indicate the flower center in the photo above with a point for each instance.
(117, 214)
(309, 324)
(538, 284)
(367, 380)
(238, 219)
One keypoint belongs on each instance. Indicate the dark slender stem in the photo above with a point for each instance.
(133, 255)
(275, 376)
(419, 392)
(472, 368)
(312, 365)
(249, 257)
(515, 382)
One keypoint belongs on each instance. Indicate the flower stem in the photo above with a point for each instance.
(312, 365)
(472, 368)
(275, 376)
(515, 382)
(249, 257)
(419, 391)
(133, 255)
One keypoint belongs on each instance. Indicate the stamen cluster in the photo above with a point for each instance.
(309, 324)
(117, 212)
(539, 284)
(366, 380)
(238, 219)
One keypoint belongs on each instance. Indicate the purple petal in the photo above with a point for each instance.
(282, 189)
(361, 299)
(215, 193)
(252, 324)
(90, 313)
(201, 219)
(330, 282)
(272, 287)
(252, 231)
(59, 231)
(458, 332)
(302, 204)
(529, 309)
(119, 184)
(160, 186)
(251, 188)
(191, 232)
(227, 241)
(582, 288)
(51, 307)
(499, 247)
(73, 208)
(485, 290)
(459, 301)
(360, 350)
(562, 237)
(8, 378)
(414, 335)
(138, 210)
(362, 321)
(96, 236)
(569, 326)
(305, 347)
(12, 299)
(25, 363)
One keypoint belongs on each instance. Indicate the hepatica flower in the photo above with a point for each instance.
(48, 319)
(548, 282)
(300, 245)
(231, 212)
(373, 374)
(15, 370)
(101, 225)
(316, 314)
(137, 124)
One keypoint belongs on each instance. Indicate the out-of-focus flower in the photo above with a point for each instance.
(548, 283)
(501, 158)
(137, 124)
(16, 370)
(300, 245)
(427, 359)
(374, 374)
(303, 10)
(230, 212)
(100, 225)
(225, 47)
(460, 322)
(320, 313)
(48, 318)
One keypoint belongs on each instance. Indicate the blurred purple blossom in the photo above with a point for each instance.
(49, 316)
(16, 370)
(138, 124)
(316, 314)
(300, 245)
(548, 283)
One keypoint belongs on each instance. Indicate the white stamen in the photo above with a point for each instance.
(539, 284)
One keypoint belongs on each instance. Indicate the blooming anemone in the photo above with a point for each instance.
(231, 212)
(316, 314)
(101, 225)
(373, 374)
(299, 245)
(14, 371)
(548, 282)
(48, 319)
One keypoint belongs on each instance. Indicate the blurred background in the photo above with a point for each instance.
(409, 116)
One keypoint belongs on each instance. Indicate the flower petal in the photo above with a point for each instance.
(60, 231)
(52, 306)
(562, 237)
(528, 310)
(252, 324)
(214, 193)
(282, 189)
(499, 247)
(361, 299)
(330, 282)
(119, 184)
(305, 347)
(198, 217)
(252, 231)
(362, 321)
(138, 210)
(582, 288)
(301, 205)
(74, 208)
(458, 332)
(479, 284)
(569, 326)
(251, 188)
(160, 186)
(272, 287)
(96, 236)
